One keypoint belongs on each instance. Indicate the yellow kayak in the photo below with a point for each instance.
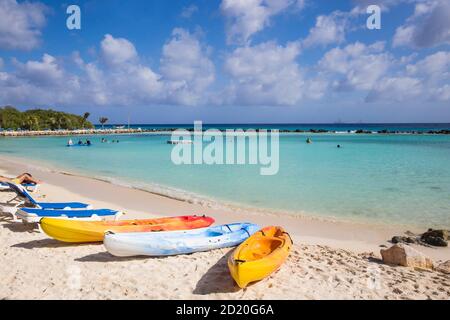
(69, 230)
(260, 255)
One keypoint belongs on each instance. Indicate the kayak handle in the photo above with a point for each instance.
(245, 229)
(284, 232)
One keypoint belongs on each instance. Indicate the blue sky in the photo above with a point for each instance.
(229, 60)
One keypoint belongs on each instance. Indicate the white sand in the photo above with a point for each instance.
(329, 260)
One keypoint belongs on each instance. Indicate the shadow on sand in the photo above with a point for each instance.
(107, 257)
(375, 260)
(15, 226)
(217, 279)
(48, 243)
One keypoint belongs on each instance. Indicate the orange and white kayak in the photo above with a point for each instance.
(260, 255)
(69, 230)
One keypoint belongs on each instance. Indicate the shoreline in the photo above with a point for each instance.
(184, 196)
(329, 260)
(341, 233)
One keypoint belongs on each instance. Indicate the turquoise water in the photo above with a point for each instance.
(387, 178)
(338, 127)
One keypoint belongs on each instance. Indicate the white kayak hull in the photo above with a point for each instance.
(177, 242)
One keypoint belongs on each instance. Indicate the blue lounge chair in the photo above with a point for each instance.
(21, 192)
(31, 187)
(31, 215)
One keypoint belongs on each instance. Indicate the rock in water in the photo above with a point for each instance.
(444, 267)
(436, 238)
(402, 239)
(444, 234)
(404, 255)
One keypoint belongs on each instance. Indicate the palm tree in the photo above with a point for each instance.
(52, 122)
(59, 120)
(85, 117)
(103, 120)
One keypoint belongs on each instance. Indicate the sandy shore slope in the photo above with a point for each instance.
(329, 260)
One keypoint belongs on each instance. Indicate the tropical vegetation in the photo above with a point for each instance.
(39, 119)
(102, 121)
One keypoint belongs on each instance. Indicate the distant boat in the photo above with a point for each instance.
(79, 145)
(119, 127)
(180, 141)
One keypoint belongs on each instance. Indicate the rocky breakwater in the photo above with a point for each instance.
(67, 132)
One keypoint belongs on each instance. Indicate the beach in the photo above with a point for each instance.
(331, 259)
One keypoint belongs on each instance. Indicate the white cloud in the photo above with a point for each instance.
(356, 66)
(247, 17)
(186, 68)
(95, 86)
(425, 80)
(429, 26)
(184, 74)
(38, 83)
(21, 24)
(436, 66)
(434, 72)
(403, 36)
(442, 93)
(265, 74)
(327, 30)
(188, 11)
(45, 73)
(121, 79)
(316, 88)
(361, 5)
(371, 70)
(396, 89)
(117, 51)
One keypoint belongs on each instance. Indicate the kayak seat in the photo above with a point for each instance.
(215, 233)
(261, 247)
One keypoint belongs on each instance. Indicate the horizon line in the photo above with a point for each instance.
(283, 123)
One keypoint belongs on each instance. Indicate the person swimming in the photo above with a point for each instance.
(80, 142)
(308, 140)
(70, 142)
(88, 142)
(338, 145)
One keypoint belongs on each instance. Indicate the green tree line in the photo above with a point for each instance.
(39, 119)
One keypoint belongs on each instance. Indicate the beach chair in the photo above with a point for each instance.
(30, 187)
(32, 215)
(24, 199)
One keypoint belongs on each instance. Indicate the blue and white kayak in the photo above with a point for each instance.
(177, 242)
(32, 215)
